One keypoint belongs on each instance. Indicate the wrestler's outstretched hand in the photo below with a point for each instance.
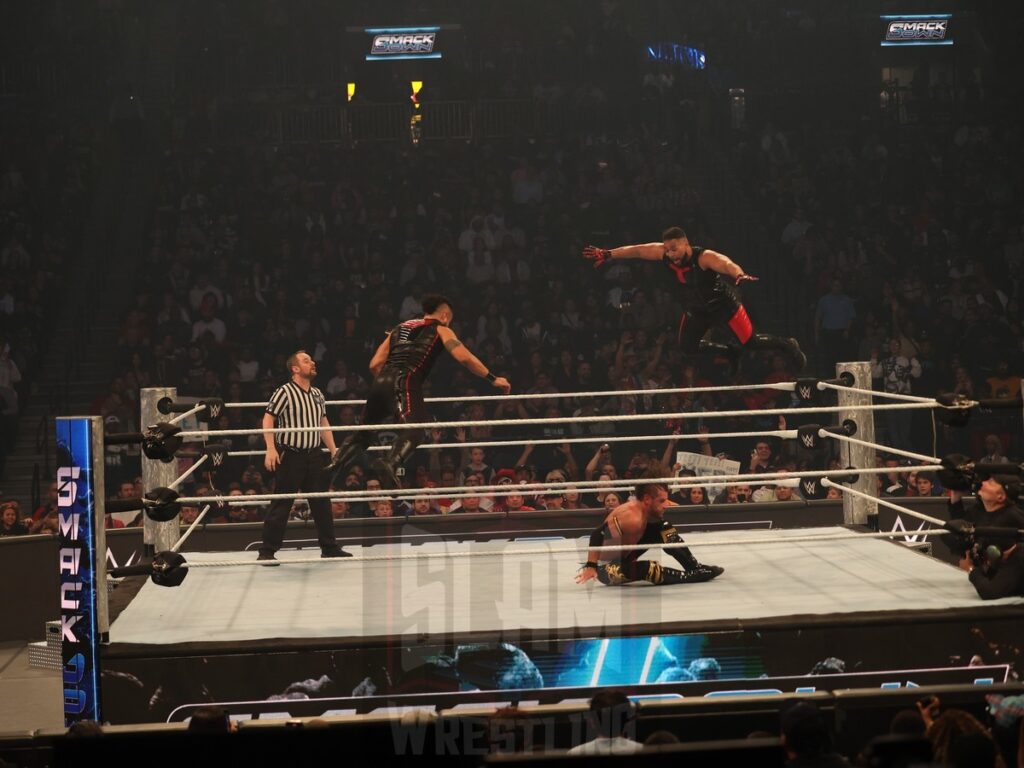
(745, 278)
(502, 383)
(597, 255)
(586, 574)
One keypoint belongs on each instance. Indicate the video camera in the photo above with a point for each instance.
(962, 473)
(977, 542)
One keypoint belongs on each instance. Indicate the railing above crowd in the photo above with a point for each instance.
(451, 120)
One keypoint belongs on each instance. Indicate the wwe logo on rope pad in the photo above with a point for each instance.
(216, 453)
(214, 407)
(808, 436)
(806, 390)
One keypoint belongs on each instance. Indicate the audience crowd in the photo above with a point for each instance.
(257, 252)
(874, 250)
(927, 734)
(904, 248)
(44, 184)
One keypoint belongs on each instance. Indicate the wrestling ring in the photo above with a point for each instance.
(483, 607)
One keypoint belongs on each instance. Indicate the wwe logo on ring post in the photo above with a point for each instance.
(808, 440)
(805, 392)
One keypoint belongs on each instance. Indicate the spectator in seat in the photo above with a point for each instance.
(10, 525)
(203, 288)
(612, 717)
(573, 498)
(958, 738)
(686, 497)
(474, 462)
(553, 500)
(994, 453)
(516, 502)
(51, 524)
(344, 381)
(48, 505)
(1002, 384)
(762, 458)
(832, 321)
(247, 365)
(896, 372)
(211, 720)
(424, 506)
(385, 508)
(208, 322)
(472, 503)
(806, 738)
(926, 485)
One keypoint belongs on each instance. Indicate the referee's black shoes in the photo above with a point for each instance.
(267, 558)
(334, 551)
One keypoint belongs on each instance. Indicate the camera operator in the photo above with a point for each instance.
(1001, 573)
(996, 567)
(995, 505)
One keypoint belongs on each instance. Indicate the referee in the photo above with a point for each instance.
(296, 457)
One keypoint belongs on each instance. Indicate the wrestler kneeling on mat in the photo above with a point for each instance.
(641, 522)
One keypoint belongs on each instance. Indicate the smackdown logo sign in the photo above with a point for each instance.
(930, 29)
(398, 43)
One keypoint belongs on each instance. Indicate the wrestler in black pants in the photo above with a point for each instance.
(394, 396)
(300, 470)
(695, 323)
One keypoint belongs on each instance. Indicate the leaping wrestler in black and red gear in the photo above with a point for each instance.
(400, 366)
(708, 280)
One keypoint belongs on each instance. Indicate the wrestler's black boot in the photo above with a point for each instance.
(389, 470)
(690, 575)
(352, 447)
(694, 571)
(788, 345)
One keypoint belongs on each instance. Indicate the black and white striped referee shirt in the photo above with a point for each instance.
(292, 406)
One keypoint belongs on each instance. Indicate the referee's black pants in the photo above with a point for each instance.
(299, 470)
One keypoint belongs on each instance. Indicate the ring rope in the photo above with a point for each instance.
(786, 434)
(182, 416)
(564, 420)
(887, 449)
(854, 492)
(582, 548)
(823, 385)
(782, 386)
(591, 486)
(188, 472)
(195, 523)
(765, 477)
(411, 494)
